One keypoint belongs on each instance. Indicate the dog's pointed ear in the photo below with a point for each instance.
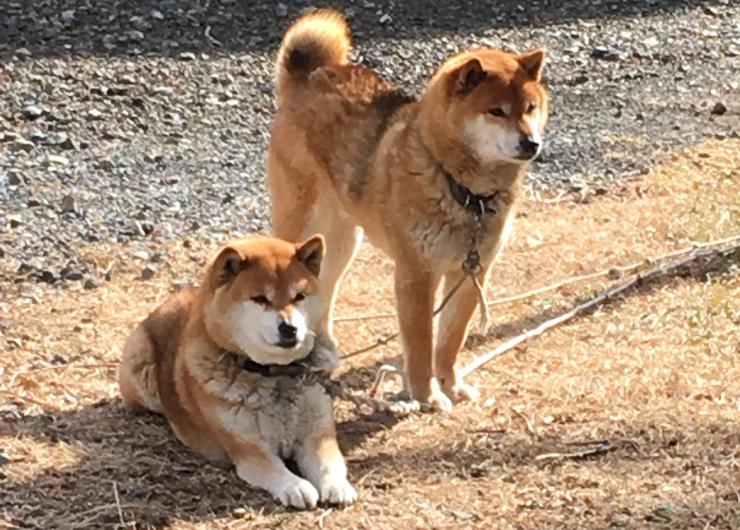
(466, 77)
(227, 265)
(532, 63)
(311, 252)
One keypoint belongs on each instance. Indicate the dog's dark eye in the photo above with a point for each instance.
(530, 108)
(299, 297)
(498, 112)
(261, 300)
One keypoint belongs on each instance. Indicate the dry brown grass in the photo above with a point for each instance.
(656, 374)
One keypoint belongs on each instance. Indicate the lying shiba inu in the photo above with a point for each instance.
(433, 182)
(226, 364)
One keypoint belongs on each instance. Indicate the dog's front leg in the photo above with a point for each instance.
(317, 453)
(452, 331)
(265, 470)
(415, 289)
(255, 462)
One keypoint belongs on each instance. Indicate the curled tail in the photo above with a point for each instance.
(317, 39)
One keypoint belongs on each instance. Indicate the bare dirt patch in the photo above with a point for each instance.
(653, 377)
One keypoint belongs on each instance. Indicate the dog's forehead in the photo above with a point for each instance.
(276, 273)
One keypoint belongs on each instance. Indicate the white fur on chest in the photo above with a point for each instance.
(445, 241)
(278, 415)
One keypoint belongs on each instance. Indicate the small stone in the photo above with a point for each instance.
(143, 255)
(238, 513)
(719, 109)
(32, 112)
(91, 283)
(21, 144)
(68, 204)
(385, 19)
(118, 90)
(651, 42)
(65, 142)
(47, 276)
(148, 272)
(156, 14)
(58, 359)
(14, 179)
(180, 284)
(604, 53)
(187, 56)
(94, 114)
(56, 160)
(462, 515)
(39, 137)
(68, 16)
(72, 274)
(281, 9)
(14, 221)
(163, 90)
(105, 164)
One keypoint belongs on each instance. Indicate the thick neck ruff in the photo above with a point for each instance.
(475, 203)
(295, 369)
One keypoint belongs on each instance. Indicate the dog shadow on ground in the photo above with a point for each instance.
(134, 27)
(107, 450)
(135, 457)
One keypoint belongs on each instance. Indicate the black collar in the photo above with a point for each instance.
(473, 202)
(294, 369)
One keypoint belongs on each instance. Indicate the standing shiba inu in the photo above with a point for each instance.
(227, 364)
(432, 182)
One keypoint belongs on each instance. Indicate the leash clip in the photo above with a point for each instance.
(471, 265)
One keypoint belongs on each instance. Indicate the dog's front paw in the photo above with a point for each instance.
(337, 490)
(298, 493)
(432, 395)
(462, 392)
(323, 357)
(439, 401)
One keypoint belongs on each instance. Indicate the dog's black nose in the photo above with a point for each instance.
(528, 147)
(287, 332)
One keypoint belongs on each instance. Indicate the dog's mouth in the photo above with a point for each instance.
(287, 344)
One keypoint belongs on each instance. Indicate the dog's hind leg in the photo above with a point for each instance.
(137, 377)
(343, 241)
(300, 209)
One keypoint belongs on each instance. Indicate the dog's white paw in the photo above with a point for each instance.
(298, 493)
(439, 401)
(324, 360)
(337, 490)
(463, 392)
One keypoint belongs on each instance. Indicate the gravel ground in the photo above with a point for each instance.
(126, 120)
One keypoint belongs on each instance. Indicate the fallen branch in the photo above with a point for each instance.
(23, 373)
(529, 294)
(674, 268)
(611, 271)
(592, 449)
